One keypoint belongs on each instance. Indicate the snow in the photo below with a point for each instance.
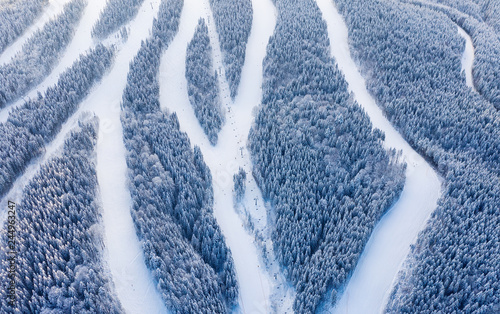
(467, 58)
(133, 281)
(123, 252)
(468, 55)
(54, 8)
(263, 288)
(230, 153)
(372, 281)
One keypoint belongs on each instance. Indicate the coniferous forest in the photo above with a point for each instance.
(249, 156)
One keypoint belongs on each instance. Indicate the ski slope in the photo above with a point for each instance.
(467, 58)
(230, 153)
(371, 283)
(263, 288)
(123, 252)
(53, 9)
(133, 282)
(468, 55)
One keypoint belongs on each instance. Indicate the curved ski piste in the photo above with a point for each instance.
(54, 8)
(81, 42)
(468, 55)
(372, 281)
(467, 58)
(230, 153)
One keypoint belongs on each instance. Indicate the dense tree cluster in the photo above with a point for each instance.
(15, 17)
(233, 20)
(486, 67)
(317, 159)
(239, 180)
(59, 264)
(412, 59)
(115, 14)
(39, 54)
(36, 122)
(203, 88)
(171, 190)
(166, 25)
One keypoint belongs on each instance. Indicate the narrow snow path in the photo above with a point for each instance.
(54, 8)
(467, 57)
(15, 193)
(79, 44)
(371, 283)
(230, 153)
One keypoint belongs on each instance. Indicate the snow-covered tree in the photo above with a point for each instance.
(203, 88)
(59, 265)
(317, 159)
(233, 21)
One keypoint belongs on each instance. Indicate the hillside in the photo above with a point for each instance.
(249, 156)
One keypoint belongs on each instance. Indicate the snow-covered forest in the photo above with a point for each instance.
(250, 156)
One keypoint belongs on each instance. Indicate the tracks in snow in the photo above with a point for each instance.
(230, 153)
(371, 283)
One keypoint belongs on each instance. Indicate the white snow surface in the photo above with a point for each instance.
(372, 281)
(263, 288)
(467, 58)
(230, 153)
(133, 282)
(123, 253)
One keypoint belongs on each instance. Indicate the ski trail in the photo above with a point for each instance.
(123, 252)
(133, 282)
(468, 55)
(230, 153)
(15, 192)
(240, 119)
(467, 58)
(80, 43)
(371, 283)
(54, 8)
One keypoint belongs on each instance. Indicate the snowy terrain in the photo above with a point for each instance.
(230, 153)
(246, 226)
(81, 42)
(372, 280)
(133, 282)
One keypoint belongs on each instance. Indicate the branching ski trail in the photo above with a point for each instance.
(372, 280)
(230, 153)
